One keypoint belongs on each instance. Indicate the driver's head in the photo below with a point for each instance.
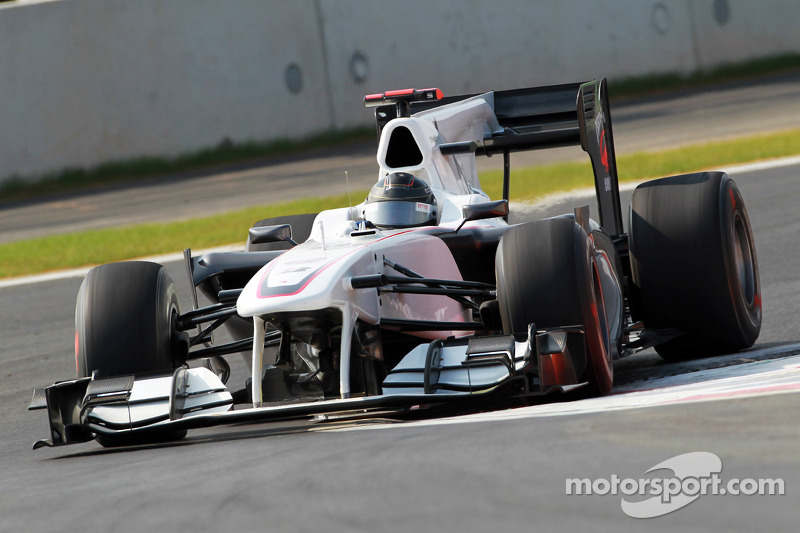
(400, 200)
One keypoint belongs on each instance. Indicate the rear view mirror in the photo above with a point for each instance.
(483, 211)
(265, 234)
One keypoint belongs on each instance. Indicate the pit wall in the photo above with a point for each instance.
(83, 82)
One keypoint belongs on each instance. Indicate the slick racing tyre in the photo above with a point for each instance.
(125, 324)
(125, 321)
(547, 274)
(301, 229)
(694, 266)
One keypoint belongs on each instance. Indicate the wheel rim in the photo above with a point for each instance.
(600, 305)
(597, 336)
(743, 259)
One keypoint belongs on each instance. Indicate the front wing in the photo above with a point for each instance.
(478, 369)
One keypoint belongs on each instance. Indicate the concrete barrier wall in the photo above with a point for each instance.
(87, 81)
(500, 44)
(735, 30)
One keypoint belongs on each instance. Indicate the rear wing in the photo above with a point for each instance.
(531, 119)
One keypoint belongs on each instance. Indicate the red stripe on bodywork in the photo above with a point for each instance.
(309, 280)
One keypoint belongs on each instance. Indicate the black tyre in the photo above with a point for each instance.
(547, 275)
(694, 266)
(124, 321)
(301, 229)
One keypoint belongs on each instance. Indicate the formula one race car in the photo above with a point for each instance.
(423, 295)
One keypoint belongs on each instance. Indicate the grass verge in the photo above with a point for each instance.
(115, 244)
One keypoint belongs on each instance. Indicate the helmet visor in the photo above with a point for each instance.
(399, 214)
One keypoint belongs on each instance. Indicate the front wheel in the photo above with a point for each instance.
(125, 324)
(125, 321)
(547, 274)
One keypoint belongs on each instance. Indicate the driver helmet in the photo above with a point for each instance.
(400, 200)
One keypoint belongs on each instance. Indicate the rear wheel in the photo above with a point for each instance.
(547, 275)
(694, 265)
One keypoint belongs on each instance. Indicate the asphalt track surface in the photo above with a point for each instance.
(502, 471)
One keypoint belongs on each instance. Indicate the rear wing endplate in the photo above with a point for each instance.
(597, 139)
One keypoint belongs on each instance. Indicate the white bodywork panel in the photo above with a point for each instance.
(313, 276)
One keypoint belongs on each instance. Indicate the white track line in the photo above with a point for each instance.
(762, 165)
(81, 272)
(588, 192)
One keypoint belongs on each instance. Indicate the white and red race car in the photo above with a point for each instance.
(423, 295)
